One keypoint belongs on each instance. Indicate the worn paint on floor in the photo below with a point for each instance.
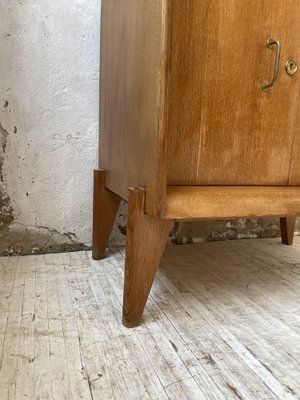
(222, 322)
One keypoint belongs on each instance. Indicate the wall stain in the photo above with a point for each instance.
(17, 239)
(6, 211)
(180, 237)
(122, 229)
(188, 232)
(27, 240)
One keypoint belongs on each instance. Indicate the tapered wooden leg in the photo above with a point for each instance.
(145, 243)
(287, 226)
(106, 204)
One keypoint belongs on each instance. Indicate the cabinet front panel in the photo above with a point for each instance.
(222, 127)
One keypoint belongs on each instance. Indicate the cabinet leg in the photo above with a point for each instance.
(106, 204)
(145, 243)
(287, 226)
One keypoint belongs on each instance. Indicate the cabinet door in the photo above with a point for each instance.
(222, 127)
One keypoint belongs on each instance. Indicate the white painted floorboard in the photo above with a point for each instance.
(222, 322)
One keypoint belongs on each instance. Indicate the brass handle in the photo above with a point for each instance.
(270, 43)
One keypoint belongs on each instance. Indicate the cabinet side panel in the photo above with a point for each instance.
(131, 81)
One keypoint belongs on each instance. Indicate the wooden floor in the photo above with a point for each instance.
(223, 322)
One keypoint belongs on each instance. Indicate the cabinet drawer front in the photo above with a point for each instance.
(223, 128)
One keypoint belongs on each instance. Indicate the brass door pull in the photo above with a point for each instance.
(270, 43)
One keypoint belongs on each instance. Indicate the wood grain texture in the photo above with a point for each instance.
(145, 242)
(294, 178)
(133, 56)
(105, 208)
(221, 202)
(223, 129)
(287, 226)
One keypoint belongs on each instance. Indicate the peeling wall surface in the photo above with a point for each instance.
(49, 68)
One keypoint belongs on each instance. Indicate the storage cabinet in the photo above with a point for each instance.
(199, 120)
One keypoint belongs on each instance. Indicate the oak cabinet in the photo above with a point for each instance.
(199, 120)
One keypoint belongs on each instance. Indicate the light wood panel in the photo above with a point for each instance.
(222, 202)
(223, 129)
(222, 322)
(145, 242)
(133, 53)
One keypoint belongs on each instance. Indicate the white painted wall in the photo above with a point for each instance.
(49, 67)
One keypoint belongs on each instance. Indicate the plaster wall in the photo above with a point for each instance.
(49, 68)
(49, 52)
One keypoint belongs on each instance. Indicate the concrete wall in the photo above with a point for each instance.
(49, 64)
